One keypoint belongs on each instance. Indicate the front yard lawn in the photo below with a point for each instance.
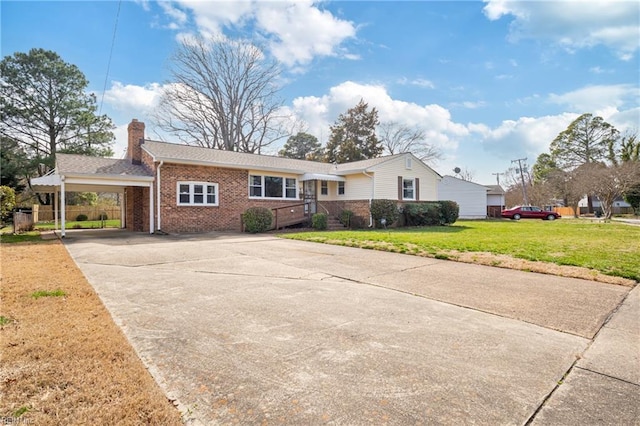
(610, 248)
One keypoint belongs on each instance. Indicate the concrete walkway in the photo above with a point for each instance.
(257, 329)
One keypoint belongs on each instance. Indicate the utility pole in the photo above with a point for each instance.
(524, 187)
(497, 175)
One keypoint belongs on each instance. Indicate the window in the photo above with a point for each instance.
(290, 188)
(340, 188)
(197, 194)
(408, 192)
(324, 187)
(407, 163)
(272, 187)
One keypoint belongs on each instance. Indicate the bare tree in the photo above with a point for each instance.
(397, 137)
(223, 95)
(465, 174)
(610, 182)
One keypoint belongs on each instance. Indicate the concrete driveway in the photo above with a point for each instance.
(257, 329)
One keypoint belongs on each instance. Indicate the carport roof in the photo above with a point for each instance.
(84, 173)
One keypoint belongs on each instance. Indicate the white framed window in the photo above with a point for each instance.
(273, 187)
(324, 187)
(408, 189)
(340, 188)
(197, 194)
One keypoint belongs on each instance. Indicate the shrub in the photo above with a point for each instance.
(319, 221)
(345, 217)
(449, 212)
(257, 219)
(384, 209)
(422, 214)
(7, 202)
(103, 216)
(357, 222)
(81, 217)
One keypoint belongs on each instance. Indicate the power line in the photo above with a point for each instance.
(113, 42)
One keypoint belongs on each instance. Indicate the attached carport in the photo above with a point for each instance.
(78, 173)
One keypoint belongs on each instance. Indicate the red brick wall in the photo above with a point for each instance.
(137, 209)
(360, 209)
(233, 199)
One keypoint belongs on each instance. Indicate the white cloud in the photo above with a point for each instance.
(524, 137)
(296, 31)
(573, 24)
(321, 112)
(420, 82)
(597, 99)
(131, 97)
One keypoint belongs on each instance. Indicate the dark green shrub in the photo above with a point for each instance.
(82, 217)
(422, 214)
(384, 209)
(449, 212)
(103, 216)
(319, 221)
(358, 222)
(257, 219)
(345, 217)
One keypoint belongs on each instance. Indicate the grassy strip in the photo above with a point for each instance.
(64, 361)
(46, 293)
(85, 224)
(611, 248)
(25, 237)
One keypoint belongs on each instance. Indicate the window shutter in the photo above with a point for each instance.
(417, 189)
(400, 188)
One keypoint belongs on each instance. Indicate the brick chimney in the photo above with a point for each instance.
(136, 139)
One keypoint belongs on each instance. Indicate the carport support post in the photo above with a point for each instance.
(151, 209)
(63, 207)
(55, 208)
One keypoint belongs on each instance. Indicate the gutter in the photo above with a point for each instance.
(373, 187)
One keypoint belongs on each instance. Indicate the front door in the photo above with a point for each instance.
(310, 194)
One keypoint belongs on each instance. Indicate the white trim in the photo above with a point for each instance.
(158, 192)
(321, 176)
(205, 193)
(63, 208)
(413, 189)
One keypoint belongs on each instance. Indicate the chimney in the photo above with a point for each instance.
(136, 139)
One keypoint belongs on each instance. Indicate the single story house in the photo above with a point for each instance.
(474, 200)
(178, 188)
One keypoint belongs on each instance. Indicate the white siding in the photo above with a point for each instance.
(386, 178)
(471, 197)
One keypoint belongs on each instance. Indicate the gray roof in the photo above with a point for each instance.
(84, 165)
(495, 190)
(171, 152)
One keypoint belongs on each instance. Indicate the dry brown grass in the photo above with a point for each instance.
(63, 359)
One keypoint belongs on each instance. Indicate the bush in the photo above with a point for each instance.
(319, 221)
(449, 212)
(384, 209)
(422, 214)
(103, 216)
(257, 219)
(81, 218)
(431, 213)
(7, 202)
(345, 217)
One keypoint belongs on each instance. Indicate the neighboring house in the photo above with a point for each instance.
(495, 200)
(620, 206)
(178, 188)
(471, 197)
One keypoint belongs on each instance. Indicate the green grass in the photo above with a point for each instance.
(45, 293)
(31, 236)
(611, 248)
(85, 224)
(5, 320)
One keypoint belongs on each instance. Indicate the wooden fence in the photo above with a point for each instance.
(46, 213)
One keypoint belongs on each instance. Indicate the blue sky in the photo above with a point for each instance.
(489, 81)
